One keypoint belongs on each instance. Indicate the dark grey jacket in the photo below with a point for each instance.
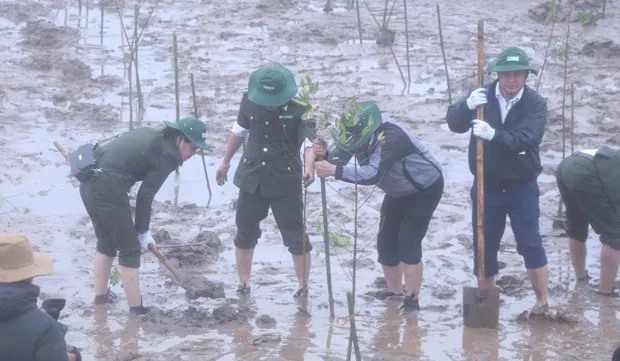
(400, 165)
(140, 155)
(607, 161)
(27, 333)
(512, 157)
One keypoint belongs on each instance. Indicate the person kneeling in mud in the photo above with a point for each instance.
(397, 162)
(146, 155)
(27, 333)
(589, 183)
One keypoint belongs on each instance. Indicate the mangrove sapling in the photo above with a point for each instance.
(133, 51)
(443, 54)
(308, 89)
(555, 5)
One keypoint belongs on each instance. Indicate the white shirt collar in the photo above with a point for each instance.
(504, 105)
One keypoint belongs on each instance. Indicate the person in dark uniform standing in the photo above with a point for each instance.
(589, 183)
(513, 127)
(146, 155)
(270, 172)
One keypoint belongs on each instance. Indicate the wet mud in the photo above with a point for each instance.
(63, 80)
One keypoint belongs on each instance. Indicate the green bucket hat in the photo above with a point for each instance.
(193, 129)
(272, 86)
(511, 59)
(354, 136)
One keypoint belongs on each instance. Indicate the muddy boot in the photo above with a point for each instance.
(109, 297)
(411, 304)
(243, 290)
(139, 310)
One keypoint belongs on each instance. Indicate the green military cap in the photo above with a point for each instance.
(354, 136)
(511, 59)
(272, 86)
(193, 129)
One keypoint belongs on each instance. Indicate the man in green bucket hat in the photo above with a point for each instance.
(270, 171)
(143, 154)
(513, 127)
(397, 162)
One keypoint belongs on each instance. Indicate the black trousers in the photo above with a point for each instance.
(287, 211)
(108, 207)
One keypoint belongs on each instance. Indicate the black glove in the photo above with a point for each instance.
(74, 350)
(53, 306)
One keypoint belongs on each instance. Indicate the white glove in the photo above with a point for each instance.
(483, 130)
(477, 98)
(145, 239)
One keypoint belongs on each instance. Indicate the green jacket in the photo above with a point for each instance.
(140, 155)
(272, 158)
(607, 161)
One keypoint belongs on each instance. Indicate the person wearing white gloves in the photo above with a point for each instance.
(514, 122)
(146, 155)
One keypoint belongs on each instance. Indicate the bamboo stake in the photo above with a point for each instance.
(176, 80)
(356, 345)
(566, 46)
(555, 15)
(359, 19)
(101, 28)
(175, 55)
(443, 53)
(572, 118)
(202, 155)
(407, 47)
(327, 253)
(140, 111)
(80, 14)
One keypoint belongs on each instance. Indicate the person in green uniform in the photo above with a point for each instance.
(270, 172)
(146, 155)
(589, 184)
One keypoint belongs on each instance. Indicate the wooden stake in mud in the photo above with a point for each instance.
(175, 54)
(481, 304)
(572, 118)
(101, 28)
(356, 345)
(407, 47)
(202, 155)
(176, 79)
(443, 54)
(326, 242)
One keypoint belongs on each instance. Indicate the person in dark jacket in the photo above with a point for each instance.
(514, 122)
(27, 333)
(270, 172)
(146, 155)
(397, 162)
(589, 183)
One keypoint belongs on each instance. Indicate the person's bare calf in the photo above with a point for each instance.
(244, 259)
(394, 279)
(413, 277)
(302, 269)
(540, 282)
(610, 260)
(578, 252)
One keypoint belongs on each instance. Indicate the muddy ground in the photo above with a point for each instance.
(63, 79)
